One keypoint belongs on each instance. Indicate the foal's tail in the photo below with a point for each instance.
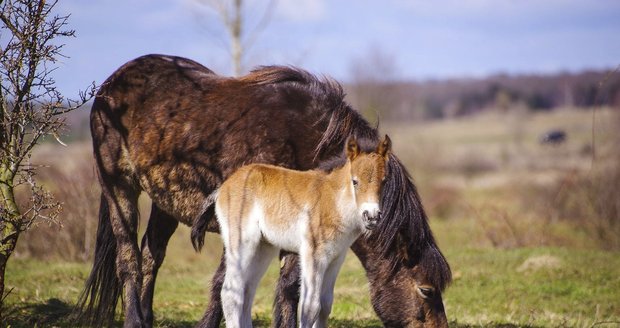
(96, 305)
(205, 221)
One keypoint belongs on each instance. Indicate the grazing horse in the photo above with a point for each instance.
(262, 209)
(171, 128)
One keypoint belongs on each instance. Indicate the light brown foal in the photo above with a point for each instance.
(263, 209)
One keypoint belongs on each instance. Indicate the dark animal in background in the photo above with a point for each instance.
(553, 137)
(172, 128)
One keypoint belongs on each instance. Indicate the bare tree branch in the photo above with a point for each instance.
(234, 15)
(31, 108)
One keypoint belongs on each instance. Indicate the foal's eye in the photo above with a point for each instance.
(354, 182)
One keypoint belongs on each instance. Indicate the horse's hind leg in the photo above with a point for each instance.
(120, 190)
(213, 315)
(160, 228)
(122, 201)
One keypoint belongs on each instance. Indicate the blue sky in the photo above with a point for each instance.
(422, 39)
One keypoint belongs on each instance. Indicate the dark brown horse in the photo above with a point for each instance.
(173, 129)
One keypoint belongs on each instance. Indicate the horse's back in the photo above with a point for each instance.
(132, 88)
(141, 123)
(171, 127)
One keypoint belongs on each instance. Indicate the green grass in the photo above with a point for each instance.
(491, 189)
(559, 287)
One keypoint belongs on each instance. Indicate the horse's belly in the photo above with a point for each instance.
(176, 191)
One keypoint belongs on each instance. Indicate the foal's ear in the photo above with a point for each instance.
(385, 147)
(353, 149)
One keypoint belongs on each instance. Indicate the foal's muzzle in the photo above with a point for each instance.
(370, 221)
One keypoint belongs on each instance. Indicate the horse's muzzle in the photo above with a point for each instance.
(370, 222)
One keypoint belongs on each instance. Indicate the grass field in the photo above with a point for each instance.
(492, 287)
(523, 250)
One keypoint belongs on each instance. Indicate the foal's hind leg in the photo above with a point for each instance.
(252, 275)
(247, 259)
(160, 228)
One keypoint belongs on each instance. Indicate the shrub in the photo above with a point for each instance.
(72, 237)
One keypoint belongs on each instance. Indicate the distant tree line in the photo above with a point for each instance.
(401, 100)
(392, 100)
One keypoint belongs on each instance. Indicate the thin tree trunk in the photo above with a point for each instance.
(2, 269)
(236, 30)
(9, 246)
(9, 226)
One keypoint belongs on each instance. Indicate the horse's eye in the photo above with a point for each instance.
(355, 182)
(426, 292)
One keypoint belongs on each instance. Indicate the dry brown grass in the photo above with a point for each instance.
(490, 176)
(69, 174)
(486, 177)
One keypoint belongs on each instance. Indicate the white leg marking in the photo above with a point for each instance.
(243, 260)
(312, 272)
(327, 290)
(256, 269)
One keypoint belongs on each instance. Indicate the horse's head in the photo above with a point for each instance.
(407, 296)
(406, 269)
(368, 171)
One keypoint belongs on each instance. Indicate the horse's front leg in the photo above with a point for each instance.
(160, 228)
(287, 292)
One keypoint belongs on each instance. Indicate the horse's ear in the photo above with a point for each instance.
(353, 148)
(385, 147)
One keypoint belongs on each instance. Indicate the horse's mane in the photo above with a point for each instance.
(406, 219)
(328, 96)
(326, 92)
(405, 223)
(278, 74)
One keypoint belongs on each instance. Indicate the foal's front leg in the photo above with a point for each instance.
(312, 271)
(327, 290)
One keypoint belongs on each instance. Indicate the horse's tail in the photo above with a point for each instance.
(96, 305)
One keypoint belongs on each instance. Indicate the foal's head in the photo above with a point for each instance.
(368, 171)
